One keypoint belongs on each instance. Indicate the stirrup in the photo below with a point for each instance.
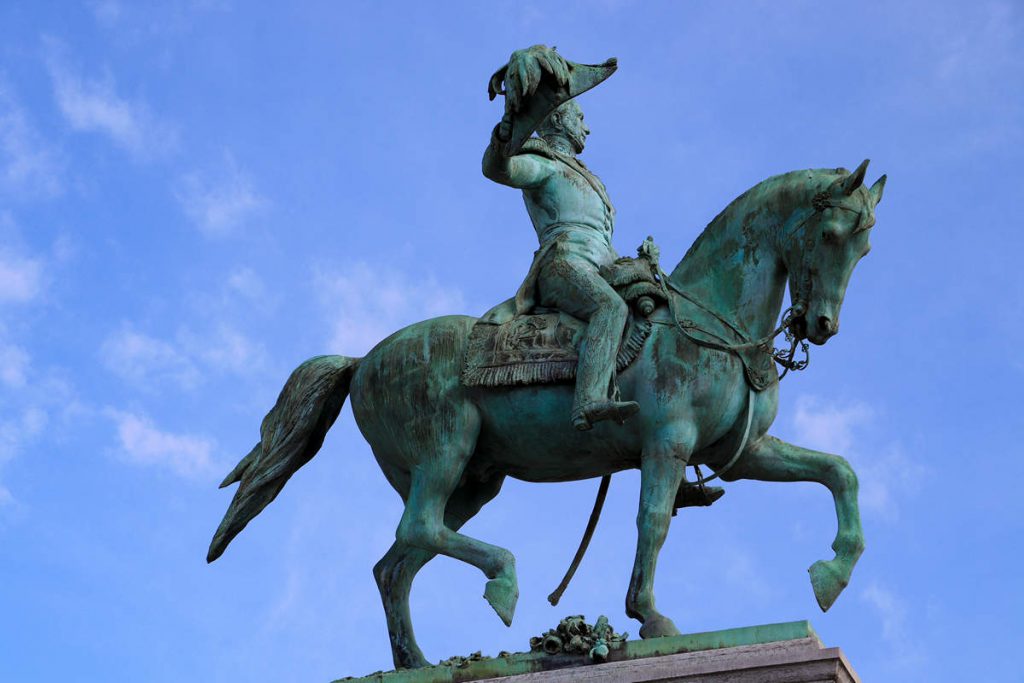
(695, 495)
(583, 418)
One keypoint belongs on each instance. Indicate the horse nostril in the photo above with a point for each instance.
(827, 325)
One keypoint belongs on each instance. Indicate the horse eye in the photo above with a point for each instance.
(829, 236)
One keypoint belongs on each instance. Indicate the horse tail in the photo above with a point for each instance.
(291, 434)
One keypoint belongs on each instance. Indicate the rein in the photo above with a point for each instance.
(784, 357)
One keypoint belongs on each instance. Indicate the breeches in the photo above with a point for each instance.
(574, 285)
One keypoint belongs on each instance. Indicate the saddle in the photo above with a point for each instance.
(542, 346)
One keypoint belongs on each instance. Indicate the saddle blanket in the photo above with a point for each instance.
(537, 349)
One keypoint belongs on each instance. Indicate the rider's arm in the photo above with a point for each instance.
(520, 170)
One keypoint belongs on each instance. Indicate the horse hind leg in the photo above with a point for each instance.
(397, 569)
(438, 452)
(394, 574)
(423, 526)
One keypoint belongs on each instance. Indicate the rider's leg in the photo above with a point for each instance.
(574, 285)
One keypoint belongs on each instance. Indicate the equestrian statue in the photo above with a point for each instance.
(598, 364)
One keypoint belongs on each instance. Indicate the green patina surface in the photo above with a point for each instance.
(475, 669)
(700, 388)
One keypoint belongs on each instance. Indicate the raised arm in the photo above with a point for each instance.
(521, 77)
(519, 170)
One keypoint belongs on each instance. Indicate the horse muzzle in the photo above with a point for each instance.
(823, 329)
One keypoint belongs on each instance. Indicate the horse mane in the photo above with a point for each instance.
(766, 192)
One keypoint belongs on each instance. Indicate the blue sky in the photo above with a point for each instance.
(197, 196)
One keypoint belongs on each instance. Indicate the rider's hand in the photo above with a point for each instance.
(505, 128)
(525, 70)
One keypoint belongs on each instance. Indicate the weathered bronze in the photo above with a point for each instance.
(478, 667)
(670, 370)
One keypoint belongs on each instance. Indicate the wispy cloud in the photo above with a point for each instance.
(31, 394)
(225, 349)
(245, 282)
(142, 443)
(892, 613)
(219, 202)
(146, 360)
(885, 474)
(17, 431)
(972, 51)
(21, 277)
(14, 362)
(889, 609)
(828, 427)
(182, 362)
(742, 571)
(36, 403)
(29, 166)
(107, 12)
(139, 21)
(244, 293)
(365, 304)
(92, 105)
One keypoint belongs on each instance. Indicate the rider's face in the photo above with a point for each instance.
(575, 129)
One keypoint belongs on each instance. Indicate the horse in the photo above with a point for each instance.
(446, 447)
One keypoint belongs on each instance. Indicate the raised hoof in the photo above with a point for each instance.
(658, 626)
(827, 581)
(502, 594)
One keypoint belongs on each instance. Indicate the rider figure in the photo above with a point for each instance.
(574, 220)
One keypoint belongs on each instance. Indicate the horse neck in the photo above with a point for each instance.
(736, 267)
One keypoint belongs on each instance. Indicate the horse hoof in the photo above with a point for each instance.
(502, 595)
(658, 626)
(828, 582)
(410, 661)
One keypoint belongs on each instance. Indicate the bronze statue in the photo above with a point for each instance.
(453, 405)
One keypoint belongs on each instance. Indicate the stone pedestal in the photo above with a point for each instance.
(775, 653)
(804, 660)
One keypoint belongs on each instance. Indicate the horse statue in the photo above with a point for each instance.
(704, 379)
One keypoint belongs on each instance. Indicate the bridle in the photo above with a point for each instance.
(784, 357)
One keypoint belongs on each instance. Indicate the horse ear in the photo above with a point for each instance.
(855, 179)
(876, 190)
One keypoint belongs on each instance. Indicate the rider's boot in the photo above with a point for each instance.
(596, 366)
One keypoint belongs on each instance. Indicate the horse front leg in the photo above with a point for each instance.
(661, 472)
(771, 459)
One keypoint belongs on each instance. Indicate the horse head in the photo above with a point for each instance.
(824, 248)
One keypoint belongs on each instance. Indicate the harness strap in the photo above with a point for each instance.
(764, 342)
(739, 451)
